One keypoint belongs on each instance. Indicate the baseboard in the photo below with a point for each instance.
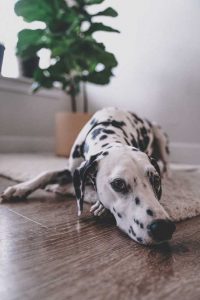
(183, 153)
(25, 144)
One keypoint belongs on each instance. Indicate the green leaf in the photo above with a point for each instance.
(91, 2)
(107, 59)
(42, 79)
(102, 77)
(35, 10)
(87, 53)
(30, 41)
(46, 78)
(110, 12)
(61, 46)
(100, 27)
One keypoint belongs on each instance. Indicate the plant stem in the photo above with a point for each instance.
(73, 103)
(85, 98)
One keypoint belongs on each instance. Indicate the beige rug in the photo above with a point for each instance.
(181, 194)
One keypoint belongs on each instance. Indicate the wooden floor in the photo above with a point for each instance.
(46, 252)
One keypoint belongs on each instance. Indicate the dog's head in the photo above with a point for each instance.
(128, 183)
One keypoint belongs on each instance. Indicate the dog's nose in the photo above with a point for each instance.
(162, 230)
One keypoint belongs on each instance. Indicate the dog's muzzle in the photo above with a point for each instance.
(161, 230)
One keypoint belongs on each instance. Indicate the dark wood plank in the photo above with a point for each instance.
(46, 252)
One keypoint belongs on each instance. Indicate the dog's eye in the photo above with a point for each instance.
(119, 185)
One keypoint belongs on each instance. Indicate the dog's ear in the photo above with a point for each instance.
(87, 171)
(157, 185)
(155, 164)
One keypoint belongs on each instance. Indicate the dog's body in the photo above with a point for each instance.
(111, 163)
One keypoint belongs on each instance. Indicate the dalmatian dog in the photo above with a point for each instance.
(114, 166)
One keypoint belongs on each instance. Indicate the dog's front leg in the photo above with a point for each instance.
(97, 209)
(91, 196)
(24, 189)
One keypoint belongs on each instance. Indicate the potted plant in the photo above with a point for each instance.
(76, 56)
(2, 49)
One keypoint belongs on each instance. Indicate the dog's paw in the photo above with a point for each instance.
(97, 209)
(14, 192)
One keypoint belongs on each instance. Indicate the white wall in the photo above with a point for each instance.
(158, 75)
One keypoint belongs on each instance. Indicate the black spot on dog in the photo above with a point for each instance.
(104, 145)
(150, 212)
(77, 152)
(143, 140)
(134, 143)
(118, 124)
(136, 221)
(114, 209)
(139, 240)
(143, 131)
(136, 118)
(137, 201)
(141, 225)
(114, 123)
(103, 137)
(119, 215)
(141, 146)
(125, 134)
(96, 132)
(77, 183)
(105, 153)
(146, 141)
(132, 231)
(144, 185)
(108, 131)
(127, 142)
